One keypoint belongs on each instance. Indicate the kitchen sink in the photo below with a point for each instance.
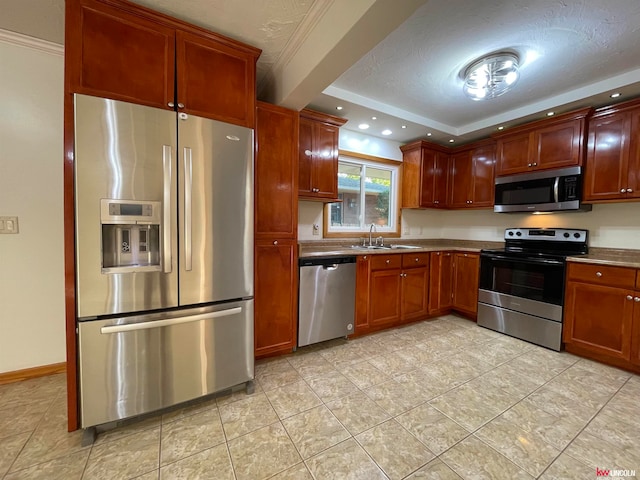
(383, 247)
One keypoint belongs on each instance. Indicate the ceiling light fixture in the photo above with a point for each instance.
(500, 127)
(451, 140)
(404, 126)
(615, 95)
(491, 76)
(374, 118)
(338, 107)
(386, 132)
(550, 114)
(363, 126)
(429, 134)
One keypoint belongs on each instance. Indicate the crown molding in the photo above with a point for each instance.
(21, 40)
(304, 29)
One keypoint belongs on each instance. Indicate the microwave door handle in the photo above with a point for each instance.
(556, 188)
(188, 190)
(166, 208)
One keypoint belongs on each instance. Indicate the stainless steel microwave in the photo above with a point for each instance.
(544, 191)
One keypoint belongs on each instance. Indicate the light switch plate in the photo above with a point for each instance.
(8, 225)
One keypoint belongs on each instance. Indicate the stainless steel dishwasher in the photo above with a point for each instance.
(327, 294)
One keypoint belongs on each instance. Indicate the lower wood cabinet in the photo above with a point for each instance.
(602, 313)
(276, 296)
(440, 283)
(466, 272)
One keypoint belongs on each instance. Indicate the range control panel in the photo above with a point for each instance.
(547, 234)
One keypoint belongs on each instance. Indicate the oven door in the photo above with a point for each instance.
(538, 279)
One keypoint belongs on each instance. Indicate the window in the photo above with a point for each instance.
(368, 191)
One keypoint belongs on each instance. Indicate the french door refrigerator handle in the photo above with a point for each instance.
(166, 208)
(169, 321)
(188, 185)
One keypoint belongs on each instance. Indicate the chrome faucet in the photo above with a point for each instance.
(372, 228)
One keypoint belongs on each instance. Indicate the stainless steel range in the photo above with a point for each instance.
(522, 285)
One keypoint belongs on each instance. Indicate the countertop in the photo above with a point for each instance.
(610, 256)
(328, 248)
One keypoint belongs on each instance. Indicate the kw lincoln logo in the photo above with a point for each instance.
(614, 472)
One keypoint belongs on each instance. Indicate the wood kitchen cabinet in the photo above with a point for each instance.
(318, 156)
(549, 143)
(276, 230)
(472, 176)
(466, 272)
(363, 265)
(116, 49)
(415, 286)
(276, 295)
(600, 310)
(440, 283)
(612, 169)
(425, 173)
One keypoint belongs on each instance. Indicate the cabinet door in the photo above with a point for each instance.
(633, 182)
(214, 80)
(305, 157)
(558, 145)
(440, 282)
(325, 160)
(384, 297)
(483, 160)
(113, 54)
(465, 282)
(598, 318)
(276, 176)
(428, 178)
(415, 289)
(605, 175)
(441, 180)
(513, 154)
(461, 175)
(276, 294)
(362, 294)
(635, 331)
(411, 177)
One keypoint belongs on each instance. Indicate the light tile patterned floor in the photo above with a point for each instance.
(440, 399)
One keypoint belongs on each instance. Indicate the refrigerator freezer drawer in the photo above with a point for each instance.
(134, 365)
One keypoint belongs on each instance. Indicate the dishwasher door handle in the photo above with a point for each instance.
(330, 267)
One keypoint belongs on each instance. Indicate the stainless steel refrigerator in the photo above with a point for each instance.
(164, 266)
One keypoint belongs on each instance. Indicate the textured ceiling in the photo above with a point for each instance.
(585, 50)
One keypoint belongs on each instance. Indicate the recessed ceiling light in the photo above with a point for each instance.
(386, 132)
(500, 127)
(338, 107)
(363, 126)
(429, 134)
(404, 126)
(615, 95)
(451, 140)
(550, 114)
(374, 118)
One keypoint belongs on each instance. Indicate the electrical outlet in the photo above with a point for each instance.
(316, 229)
(8, 225)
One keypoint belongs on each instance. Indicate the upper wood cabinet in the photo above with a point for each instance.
(118, 50)
(318, 156)
(471, 176)
(549, 143)
(425, 173)
(276, 173)
(612, 170)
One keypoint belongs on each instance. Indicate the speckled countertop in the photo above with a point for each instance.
(610, 256)
(326, 248)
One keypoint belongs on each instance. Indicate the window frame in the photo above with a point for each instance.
(374, 162)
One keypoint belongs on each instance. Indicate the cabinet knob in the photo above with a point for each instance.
(388, 261)
(181, 105)
(364, 258)
(629, 190)
(438, 253)
(417, 260)
(629, 297)
(170, 105)
(623, 190)
(275, 242)
(466, 255)
(436, 201)
(470, 201)
(531, 165)
(535, 164)
(636, 299)
(598, 274)
(307, 153)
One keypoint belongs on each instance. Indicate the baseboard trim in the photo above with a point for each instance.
(35, 372)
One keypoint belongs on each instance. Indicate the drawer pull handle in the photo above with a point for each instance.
(598, 274)
(629, 297)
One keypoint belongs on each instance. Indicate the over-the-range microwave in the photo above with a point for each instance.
(544, 191)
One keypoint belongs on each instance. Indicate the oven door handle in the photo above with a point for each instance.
(535, 261)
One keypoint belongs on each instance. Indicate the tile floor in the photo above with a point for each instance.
(440, 399)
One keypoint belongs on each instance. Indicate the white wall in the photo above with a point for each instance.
(31, 187)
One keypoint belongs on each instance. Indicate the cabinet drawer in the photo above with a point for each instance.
(384, 262)
(603, 275)
(415, 260)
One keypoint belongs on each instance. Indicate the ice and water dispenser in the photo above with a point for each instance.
(130, 236)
